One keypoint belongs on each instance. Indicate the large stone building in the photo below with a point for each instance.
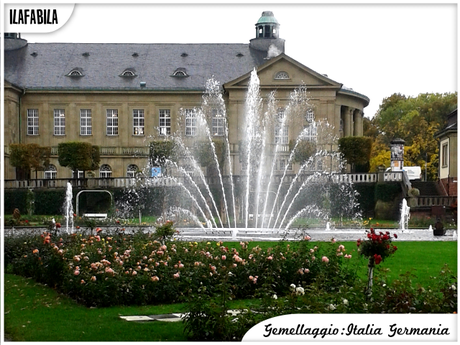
(121, 96)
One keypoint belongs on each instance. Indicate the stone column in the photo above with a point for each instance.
(348, 122)
(358, 122)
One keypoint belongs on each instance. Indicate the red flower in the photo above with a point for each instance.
(26, 221)
(98, 230)
(58, 225)
(396, 236)
(358, 242)
(377, 259)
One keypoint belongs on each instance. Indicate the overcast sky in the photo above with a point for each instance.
(376, 50)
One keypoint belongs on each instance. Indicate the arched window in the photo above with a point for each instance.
(50, 172)
(105, 171)
(132, 170)
(76, 72)
(128, 73)
(282, 75)
(180, 72)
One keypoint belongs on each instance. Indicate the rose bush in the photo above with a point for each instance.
(376, 247)
(121, 269)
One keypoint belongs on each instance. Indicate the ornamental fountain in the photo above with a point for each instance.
(262, 197)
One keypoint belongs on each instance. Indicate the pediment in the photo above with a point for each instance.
(285, 72)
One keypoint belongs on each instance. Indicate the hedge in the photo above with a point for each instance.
(388, 191)
(152, 200)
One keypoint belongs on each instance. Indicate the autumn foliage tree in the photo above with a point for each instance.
(26, 157)
(415, 120)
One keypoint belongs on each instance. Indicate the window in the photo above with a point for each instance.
(180, 72)
(282, 162)
(165, 121)
(32, 121)
(138, 121)
(281, 131)
(59, 122)
(281, 134)
(319, 164)
(445, 155)
(79, 174)
(190, 122)
(75, 73)
(310, 116)
(112, 121)
(310, 132)
(105, 171)
(282, 75)
(50, 172)
(85, 122)
(128, 73)
(132, 170)
(218, 123)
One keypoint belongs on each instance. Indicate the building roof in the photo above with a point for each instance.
(100, 66)
(451, 126)
(267, 18)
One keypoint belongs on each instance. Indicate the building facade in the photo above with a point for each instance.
(122, 96)
(448, 162)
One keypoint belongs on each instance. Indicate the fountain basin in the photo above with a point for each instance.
(260, 234)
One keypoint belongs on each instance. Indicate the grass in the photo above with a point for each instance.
(424, 259)
(34, 312)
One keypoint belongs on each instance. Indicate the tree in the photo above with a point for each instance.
(161, 151)
(415, 120)
(304, 150)
(78, 156)
(39, 157)
(25, 157)
(357, 151)
(19, 158)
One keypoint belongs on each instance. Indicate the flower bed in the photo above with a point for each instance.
(122, 269)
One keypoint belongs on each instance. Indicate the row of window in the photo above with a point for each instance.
(105, 171)
(112, 125)
(78, 72)
(179, 72)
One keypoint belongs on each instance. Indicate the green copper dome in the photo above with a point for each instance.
(267, 18)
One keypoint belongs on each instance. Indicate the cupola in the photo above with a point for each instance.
(267, 26)
(13, 41)
(267, 35)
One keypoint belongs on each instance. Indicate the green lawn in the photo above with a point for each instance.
(34, 312)
(424, 259)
